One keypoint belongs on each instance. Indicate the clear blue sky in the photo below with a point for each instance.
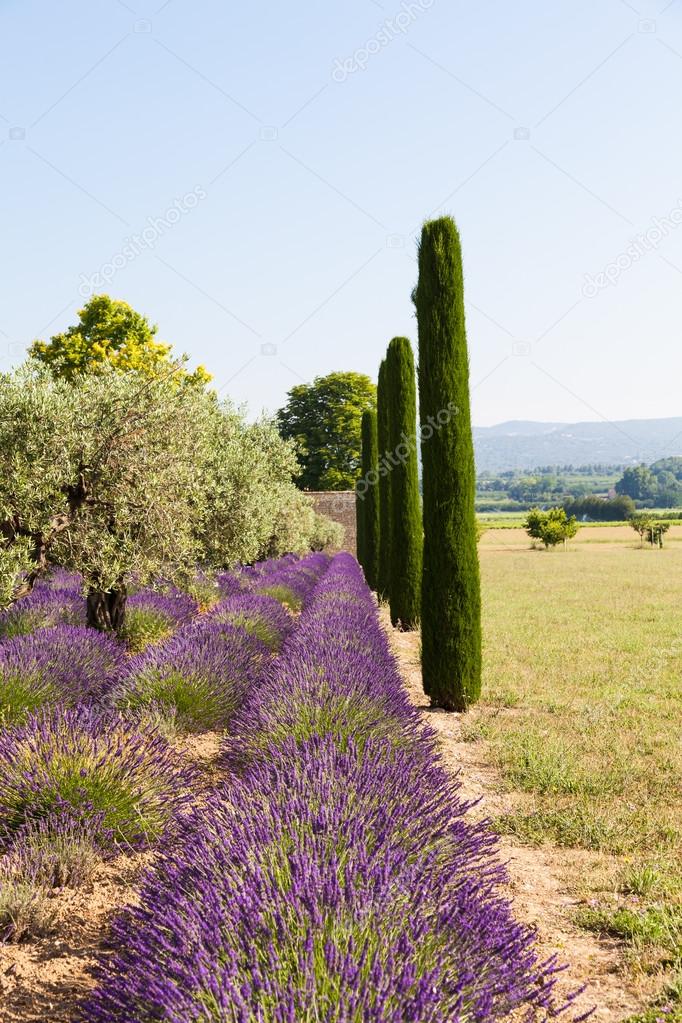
(319, 136)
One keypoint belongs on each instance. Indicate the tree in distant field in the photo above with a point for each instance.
(324, 420)
(552, 527)
(406, 518)
(646, 526)
(638, 482)
(383, 435)
(656, 532)
(641, 523)
(368, 495)
(451, 597)
(110, 335)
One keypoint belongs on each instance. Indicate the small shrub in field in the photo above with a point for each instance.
(260, 615)
(65, 664)
(41, 857)
(151, 616)
(26, 910)
(119, 776)
(202, 673)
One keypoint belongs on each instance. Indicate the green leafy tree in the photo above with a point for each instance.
(406, 543)
(641, 523)
(99, 477)
(383, 440)
(637, 482)
(121, 473)
(368, 494)
(552, 527)
(324, 420)
(110, 335)
(451, 597)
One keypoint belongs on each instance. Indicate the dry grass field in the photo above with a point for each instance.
(582, 718)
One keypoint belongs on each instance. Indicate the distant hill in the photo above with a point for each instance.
(522, 444)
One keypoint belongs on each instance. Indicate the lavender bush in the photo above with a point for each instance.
(152, 616)
(203, 672)
(263, 617)
(338, 878)
(120, 777)
(46, 605)
(65, 664)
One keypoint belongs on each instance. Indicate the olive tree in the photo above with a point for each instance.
(99, 476)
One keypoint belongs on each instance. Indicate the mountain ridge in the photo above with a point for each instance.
(526, 444)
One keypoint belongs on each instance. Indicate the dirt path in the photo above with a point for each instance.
(540, 877)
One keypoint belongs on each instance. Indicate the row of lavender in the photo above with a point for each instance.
(335, 876)
(86, 765)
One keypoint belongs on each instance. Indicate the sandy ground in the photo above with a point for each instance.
(539, 877)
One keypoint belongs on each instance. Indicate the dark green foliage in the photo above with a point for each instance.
(451, 597)
(369, 497)
(406, 515)
(360, 525)
(601, 509)
(383, 430)
(323, 418)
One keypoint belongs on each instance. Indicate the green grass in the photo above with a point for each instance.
(582, 713)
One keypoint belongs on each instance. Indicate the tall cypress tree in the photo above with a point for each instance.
(406, 516)
(451, 598)
(383, 413)
(360, 528)
(370, 497)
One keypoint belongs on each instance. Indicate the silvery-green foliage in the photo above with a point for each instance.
(99, 475)
(117, 474)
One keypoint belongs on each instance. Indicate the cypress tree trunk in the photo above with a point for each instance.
(406, 517)
(106, 608)
(370, 497)
(383, 413)
(451, 599)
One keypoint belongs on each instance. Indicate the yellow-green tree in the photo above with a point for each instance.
(109, 333)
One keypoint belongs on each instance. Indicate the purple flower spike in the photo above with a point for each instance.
(203, 671)
(120, 776)
(66, 664)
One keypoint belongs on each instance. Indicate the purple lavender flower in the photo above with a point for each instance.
(65, 664)
(46, 605)
(119, 776)
(152, 616)
(263, 617)
(339, 886)
(203, 672)
(338, 877)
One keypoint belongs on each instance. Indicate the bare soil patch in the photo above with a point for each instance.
(45, 978)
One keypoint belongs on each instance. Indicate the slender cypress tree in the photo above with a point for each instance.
(359, 527)
(383, 413)
(406, 516)
(370, 497)
(451, 598)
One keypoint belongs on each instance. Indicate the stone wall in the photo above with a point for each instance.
(338, 505)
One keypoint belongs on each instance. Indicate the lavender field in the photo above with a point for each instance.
(329, 871)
